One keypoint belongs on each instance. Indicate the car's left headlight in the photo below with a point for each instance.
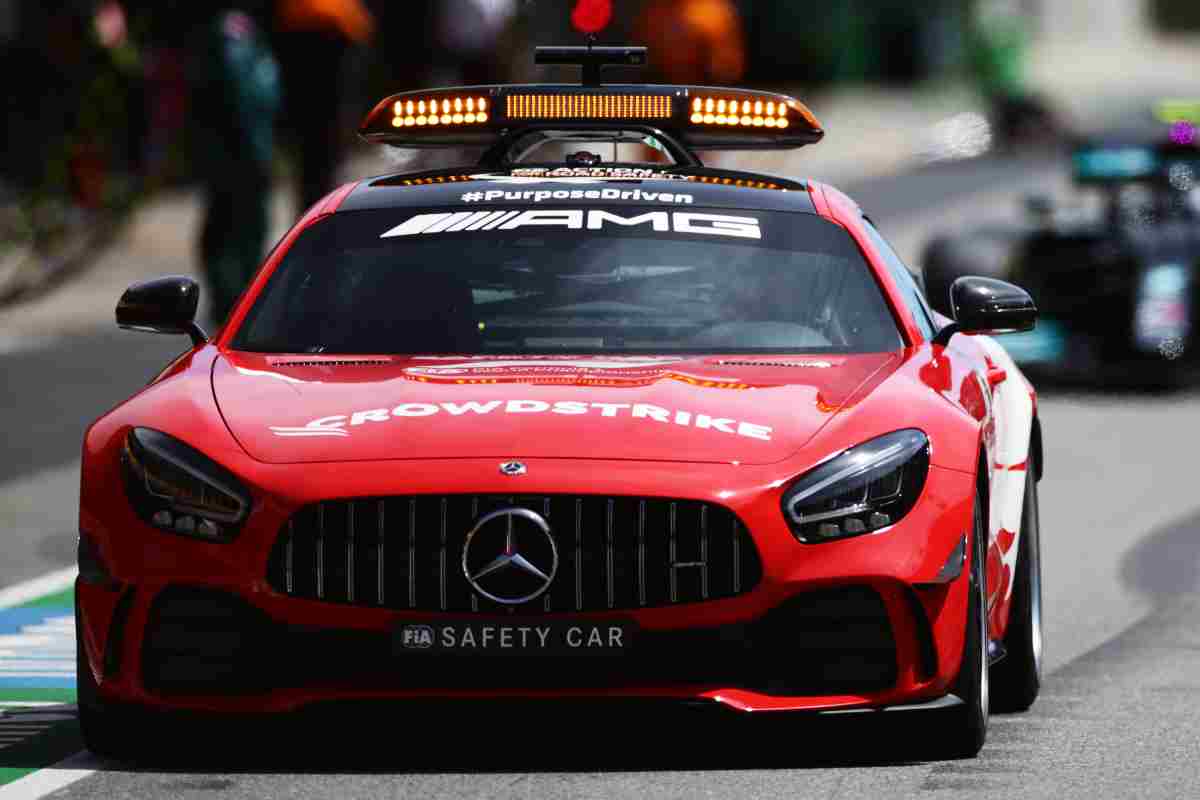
(861, 490)
(177, 488)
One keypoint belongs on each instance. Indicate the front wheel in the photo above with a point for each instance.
(109, 730)
(960, 732)
(1017, 678)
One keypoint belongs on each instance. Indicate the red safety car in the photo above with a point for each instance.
(552, 427)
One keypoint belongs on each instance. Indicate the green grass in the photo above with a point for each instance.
(64, 599)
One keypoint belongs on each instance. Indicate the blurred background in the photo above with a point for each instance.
(120, 102)
(115, 107)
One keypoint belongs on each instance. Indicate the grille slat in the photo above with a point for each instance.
(289, 559)
(673, 555)
(614, 552)
(379, 539)
(350, 552)
(546, 603)
(474, 516)
(641, 554)
(610, 583)
(579, 554)
(412, 553)
(320, 552)
(442, 560)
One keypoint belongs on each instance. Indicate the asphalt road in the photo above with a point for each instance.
(1119, 716)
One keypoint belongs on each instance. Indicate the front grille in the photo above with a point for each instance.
(614, 552)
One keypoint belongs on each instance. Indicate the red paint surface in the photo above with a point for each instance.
(1005, 540)
(519, 418)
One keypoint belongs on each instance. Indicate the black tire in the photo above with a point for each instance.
(108, 730)
(1017, 678)
(960, 732)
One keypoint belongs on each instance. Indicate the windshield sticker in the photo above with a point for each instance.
(555, 372)
(342, 424)
(596, 173)
(577, 219)
(635, 195)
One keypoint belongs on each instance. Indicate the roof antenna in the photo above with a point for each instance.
(591, 70)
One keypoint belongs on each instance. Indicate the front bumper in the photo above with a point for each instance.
(854, 624)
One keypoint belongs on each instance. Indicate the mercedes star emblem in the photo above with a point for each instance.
(512, 468)
(511, 577)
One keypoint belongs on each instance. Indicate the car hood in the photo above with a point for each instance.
(750, 410)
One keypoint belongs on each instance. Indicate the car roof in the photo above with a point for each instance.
(558, 184)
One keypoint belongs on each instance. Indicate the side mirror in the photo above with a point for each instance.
(162, 305)
(987, 305)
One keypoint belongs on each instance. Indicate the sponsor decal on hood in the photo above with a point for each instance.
(343, 424)
(681, 408)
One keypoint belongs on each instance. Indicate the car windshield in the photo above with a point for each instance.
(569, 280)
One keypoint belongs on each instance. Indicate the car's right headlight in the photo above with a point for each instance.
(177, 488)
(861, 490)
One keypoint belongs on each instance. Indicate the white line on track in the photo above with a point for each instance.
(51, 779)
(73, 768)
(50, 583)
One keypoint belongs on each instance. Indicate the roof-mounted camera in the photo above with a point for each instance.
(593, 59)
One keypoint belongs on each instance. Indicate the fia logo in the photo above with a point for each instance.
(416, 637)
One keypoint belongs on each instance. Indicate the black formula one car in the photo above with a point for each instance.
(1117, 287)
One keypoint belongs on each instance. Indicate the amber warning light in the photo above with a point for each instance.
(698, 116)
(694, 117)
(588, 106)
(457, 110)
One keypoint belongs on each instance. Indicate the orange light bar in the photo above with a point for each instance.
(440, 110)
(435, 179)
(688, 117)
(588, 106)
(748, 184)
(749, 112)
